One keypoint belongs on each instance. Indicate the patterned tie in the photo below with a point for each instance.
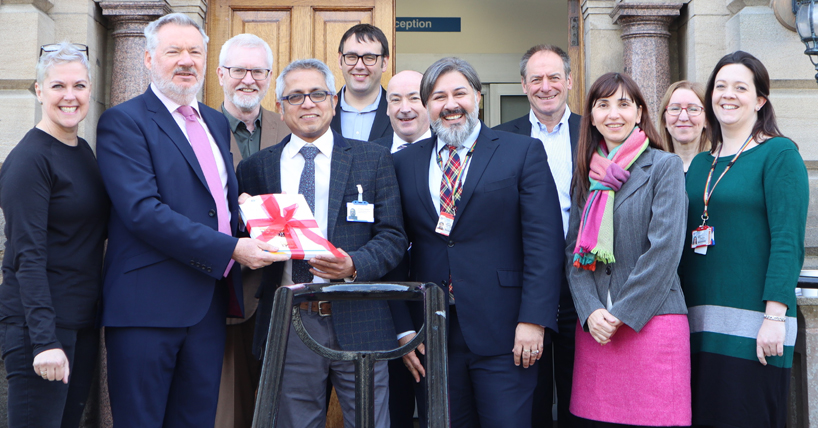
(402, 146)
(204, 154)
(306, 187)
(447, 184)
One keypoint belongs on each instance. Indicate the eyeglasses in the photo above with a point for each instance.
(692, 110)
(54, 47)
(298, 99)
(239, 73)
(352, 59)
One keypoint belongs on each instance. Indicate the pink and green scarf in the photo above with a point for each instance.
(609, 171)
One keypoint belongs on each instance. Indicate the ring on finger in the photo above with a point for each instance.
(535, 352)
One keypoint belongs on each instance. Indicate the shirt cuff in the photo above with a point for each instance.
(406, 333)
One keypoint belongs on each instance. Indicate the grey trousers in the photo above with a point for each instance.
(303, 400)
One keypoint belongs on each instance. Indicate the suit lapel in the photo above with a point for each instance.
(485, 147)
(168, 125)
(335, 125)
(424, 153)
(381, 119)
(270, 129)
(524, 126)
(573, 133)
(338, 177)
(637, 179)
(271, 175)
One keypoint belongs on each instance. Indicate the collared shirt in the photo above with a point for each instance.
(248, 142)
(435, 171)
(397, 142)
(357, 124)
(172, 107)
(292, 163)
(558, 148)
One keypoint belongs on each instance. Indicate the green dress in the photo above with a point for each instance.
(758, 212)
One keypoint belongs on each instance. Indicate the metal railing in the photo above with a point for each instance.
(433, 333)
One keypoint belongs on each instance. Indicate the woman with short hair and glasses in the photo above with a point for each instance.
(56, 211)
(683, 121)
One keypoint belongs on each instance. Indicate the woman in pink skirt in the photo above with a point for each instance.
(625, 238)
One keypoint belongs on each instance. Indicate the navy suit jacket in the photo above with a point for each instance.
(522, 126)
(506, 248)
(381, 127)
(376, 248)
(165, 254)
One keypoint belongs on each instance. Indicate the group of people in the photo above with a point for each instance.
(578, 251)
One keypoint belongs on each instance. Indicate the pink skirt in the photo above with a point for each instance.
(636, 379)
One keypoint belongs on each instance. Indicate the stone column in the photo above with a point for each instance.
(645, 35)
(128, 20)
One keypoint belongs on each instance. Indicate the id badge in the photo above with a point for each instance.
(703, 237)
(360, 212)
(444, 224)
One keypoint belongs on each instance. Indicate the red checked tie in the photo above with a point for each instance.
(448, 182)
(204, 154)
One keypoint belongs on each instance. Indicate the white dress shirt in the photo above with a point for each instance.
(292, 163)
(436, 172)
(397, 141)
(558, 148)
(172, 107)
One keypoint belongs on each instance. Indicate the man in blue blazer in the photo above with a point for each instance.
(333, 172)
(482, 213)
(545, 73)
(363, 56)
(170, 276)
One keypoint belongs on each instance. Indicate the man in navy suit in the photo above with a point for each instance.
(545, 72)
(332, 171)
(170, 276)
(363, 56)
(482, 213)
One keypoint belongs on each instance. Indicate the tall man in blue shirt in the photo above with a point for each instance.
(363, 55)
(546, 78)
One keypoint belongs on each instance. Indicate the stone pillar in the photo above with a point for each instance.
(128, 20)
(645, 36)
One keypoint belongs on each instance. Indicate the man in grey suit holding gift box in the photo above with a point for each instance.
(331, 172)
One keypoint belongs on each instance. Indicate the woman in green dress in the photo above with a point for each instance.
(743, 253)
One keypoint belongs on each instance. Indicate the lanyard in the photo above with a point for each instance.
(708, 194)
(457, 183)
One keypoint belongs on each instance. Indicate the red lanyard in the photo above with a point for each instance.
(708, 194)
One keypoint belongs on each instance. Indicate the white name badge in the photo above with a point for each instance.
(444, 224)
(360, 212)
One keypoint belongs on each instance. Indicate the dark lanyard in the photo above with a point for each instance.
(708, 194)
(458, 184)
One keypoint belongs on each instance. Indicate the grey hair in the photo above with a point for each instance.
(566, 60)
(443, 66)
(151, 39)
(66, 53)
(305, 64)
(245, 40)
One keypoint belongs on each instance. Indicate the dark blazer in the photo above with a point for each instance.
(376, 248)
(385, 141)
(505, 250)
(522, 126)
(165, 254)
(650, 213)
(381, 127)
(273, 130)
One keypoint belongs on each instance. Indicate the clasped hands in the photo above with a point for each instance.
(602, 326)
(256, 254)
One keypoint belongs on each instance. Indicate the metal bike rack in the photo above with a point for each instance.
(433, 332)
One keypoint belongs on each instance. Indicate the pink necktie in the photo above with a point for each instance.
(201, 146)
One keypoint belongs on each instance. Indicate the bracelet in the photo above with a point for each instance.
(774, 318)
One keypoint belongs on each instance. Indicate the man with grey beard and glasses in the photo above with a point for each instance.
(172, 266)
(245, 64)
(482, 213)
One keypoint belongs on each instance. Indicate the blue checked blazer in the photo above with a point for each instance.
(376, 248)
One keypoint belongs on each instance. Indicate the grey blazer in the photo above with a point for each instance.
(650, 216)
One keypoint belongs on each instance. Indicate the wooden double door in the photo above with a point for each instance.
(295, 29)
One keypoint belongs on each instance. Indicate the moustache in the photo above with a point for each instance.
(444, 112)
(186, 70)
(405, 116)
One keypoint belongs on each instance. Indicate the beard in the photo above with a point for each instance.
(246, 103)
(455, 135)
(180, 94)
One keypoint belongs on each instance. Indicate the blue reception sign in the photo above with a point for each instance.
(436, 25)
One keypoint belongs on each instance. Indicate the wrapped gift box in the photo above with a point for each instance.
(286, 222)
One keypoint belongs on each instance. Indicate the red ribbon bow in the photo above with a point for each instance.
(277, 223)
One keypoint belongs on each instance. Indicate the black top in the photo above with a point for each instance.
(56, 211)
